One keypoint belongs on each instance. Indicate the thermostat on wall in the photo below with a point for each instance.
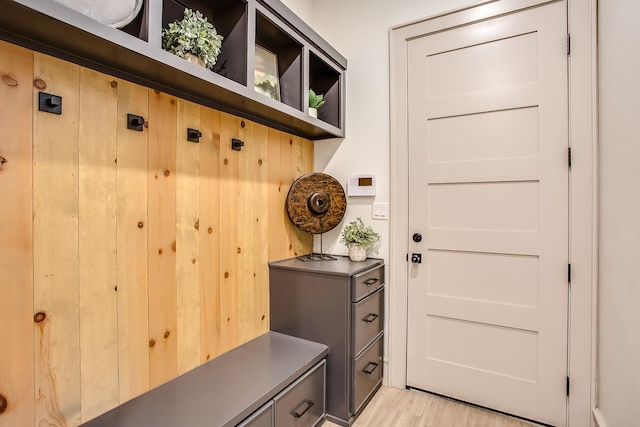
(361, 185)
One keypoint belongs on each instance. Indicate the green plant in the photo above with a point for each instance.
(315, 101)
(194, 35)
(357, 233)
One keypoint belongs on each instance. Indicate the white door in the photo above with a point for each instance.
(488, 193)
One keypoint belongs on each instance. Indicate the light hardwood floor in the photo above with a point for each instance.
(394, 407)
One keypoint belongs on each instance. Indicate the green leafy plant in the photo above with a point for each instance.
(194, 35)
(315, 101)
(357, 233)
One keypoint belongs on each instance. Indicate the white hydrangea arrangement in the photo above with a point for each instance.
(195, 35)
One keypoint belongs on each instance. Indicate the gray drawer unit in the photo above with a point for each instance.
(367, 374)
(338, 303)
(367, 320)
(261, 418)
(302, 404)
(366, 282)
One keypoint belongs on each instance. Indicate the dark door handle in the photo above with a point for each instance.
(368, 371)
(371, 281)
(308, 403)
(370, 318)
(417, 237)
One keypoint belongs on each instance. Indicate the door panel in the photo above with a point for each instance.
(488, 190)
(483, 136)
(488, 65)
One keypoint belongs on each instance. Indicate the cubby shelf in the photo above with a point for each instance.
(135, 53)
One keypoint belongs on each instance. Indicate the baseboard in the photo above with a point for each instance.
(597, 415)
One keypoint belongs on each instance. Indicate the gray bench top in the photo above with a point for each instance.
(223, 391)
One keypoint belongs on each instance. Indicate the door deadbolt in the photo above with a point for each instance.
(416, 258)
(417, 237)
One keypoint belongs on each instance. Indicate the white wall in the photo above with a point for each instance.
(619, 151)
(302, 8)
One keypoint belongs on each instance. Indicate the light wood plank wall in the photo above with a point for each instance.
(127, 258)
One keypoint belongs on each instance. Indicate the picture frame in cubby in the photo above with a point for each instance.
(266, 77)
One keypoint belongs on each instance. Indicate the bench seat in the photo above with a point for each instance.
(223, 391)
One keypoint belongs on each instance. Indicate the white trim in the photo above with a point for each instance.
(584, 210)
(398, 195)
(599, 419)
(583, 219)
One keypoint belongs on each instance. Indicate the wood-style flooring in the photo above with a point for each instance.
(394, 407)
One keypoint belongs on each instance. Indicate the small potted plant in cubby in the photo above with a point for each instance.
(315, 101)
(359, 237)
(193, 38)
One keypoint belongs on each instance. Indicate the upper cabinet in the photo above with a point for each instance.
(264, 43)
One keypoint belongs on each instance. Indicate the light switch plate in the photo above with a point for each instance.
(380, 211)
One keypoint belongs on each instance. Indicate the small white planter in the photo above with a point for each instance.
(357, 253)
(313, 112)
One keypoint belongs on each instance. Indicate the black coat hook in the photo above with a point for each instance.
(49, 103)
(135, 122)
(193, 135)
(236, 144)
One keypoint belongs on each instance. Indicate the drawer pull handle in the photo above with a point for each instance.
(370, 318)
(368, 371)
(371, 281)
(309, 404)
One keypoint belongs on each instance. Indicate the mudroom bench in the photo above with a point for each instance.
(273, 380)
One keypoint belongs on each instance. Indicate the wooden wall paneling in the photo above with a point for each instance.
(209, 230)
(161, 210)
(98, 111)
(261, 232)
(55, 228)
(230, 127)
(278, 243)
(132, 226)
(246, 242)
(187, 237)
(302, 157)
(308, 158)
(16, 238)
(289, 158)
(119, 217)
(289, 173)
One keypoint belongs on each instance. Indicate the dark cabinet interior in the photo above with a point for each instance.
(289, 57)
(229, 17)
(326, 80)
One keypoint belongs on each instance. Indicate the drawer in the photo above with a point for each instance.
(367, 374)
(367, 320)
(364, 283)
(302, 404)
(263, 417)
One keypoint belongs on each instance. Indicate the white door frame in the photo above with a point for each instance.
(583, 196)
